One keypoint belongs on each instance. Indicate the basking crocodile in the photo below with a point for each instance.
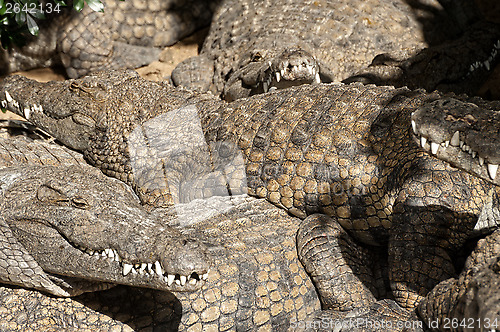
(257, 45)
(345, 151)
(465, 135)
(127, 34)
(461, 65)
(470, 302)
(67, 228)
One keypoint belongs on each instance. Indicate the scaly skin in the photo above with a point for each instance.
(256, 282)
(465, 135)
(459, 66)
(346, 151)
(252, 41)
(128, 34)
(472, 299)
(59, 215)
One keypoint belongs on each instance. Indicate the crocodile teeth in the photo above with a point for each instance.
(414, 126)
(158, 269)
(170, 279)
(8, 97)
(265, 86)
(423, 140)
(204, 276)
(487, 65)
(4, 103)
(497, 45)
(481, 161)
(446, 144)
(192, 281)
(278, 77)
(455, 139)
(434, 147)
(126, 269)
(183, 280)
(27, 111)
(317, 79)
(473, 153)
(492, 171)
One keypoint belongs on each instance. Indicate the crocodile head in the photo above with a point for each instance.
(81, 224)
(464, 134)
(264, 70)
(70, 110)
(459, 66)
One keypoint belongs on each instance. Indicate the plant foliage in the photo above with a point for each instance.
(19, 18)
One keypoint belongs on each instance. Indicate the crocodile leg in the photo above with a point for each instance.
(340, 268)
(472, 299)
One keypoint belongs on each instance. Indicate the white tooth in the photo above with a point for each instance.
(178, 282)
(471, 68)
(278, 77)
(103, 254)
(282, 71)
(4, 103)
(414, 126)
(134, 271)
(423, 140)
(183, 280)
(269, 63)
(8, 97)
(473, 153)
(481, 161)
(170, 279)
(117, 257)
(205, 276)
(487, 65)
(299, 67)
(434, 147)
(143, 267)
(126, 268)
(461, 143)
(446, 144)
(192, 281)
(273, 88)
(492, 171)
(150, 268)
(497, 45)
(455, 140)
(317, 79)
(158, 268)
(265, 86)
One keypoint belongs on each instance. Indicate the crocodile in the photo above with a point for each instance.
(470, 302)
(461, 65)
(465, 135)
(257, 45)
(126, 34)
(345, 151)
(66, 228)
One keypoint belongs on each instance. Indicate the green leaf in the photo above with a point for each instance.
(78, 5)
(95, 5)
(32, 26)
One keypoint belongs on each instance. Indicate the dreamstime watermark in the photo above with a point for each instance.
(355, 323)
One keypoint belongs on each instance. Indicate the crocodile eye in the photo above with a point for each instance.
(256, 57)
(79, 202)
